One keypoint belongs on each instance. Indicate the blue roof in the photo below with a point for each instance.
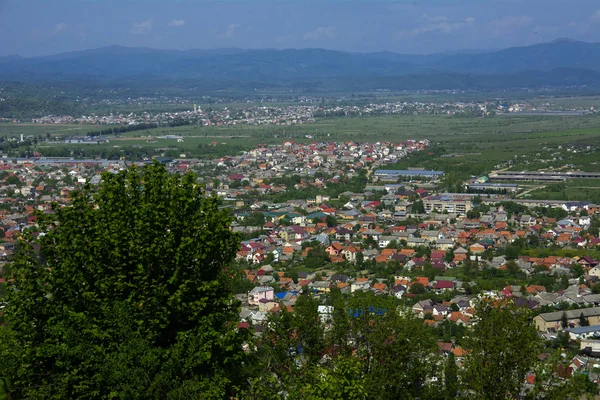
(584, 329)
(361, 311)
(281, 295)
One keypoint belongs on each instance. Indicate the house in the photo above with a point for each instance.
(380, 287)
(384, 241)
(342, 233)
(594, 272)
(444, 244)
(344, 288)
(265, 305)
(398, 290)
(258, 293)
(360, 284)
(441, 286)
(320, 286)
(431, 236)
(423, 307)
(350, 253)
(477, 248)
(334, 249)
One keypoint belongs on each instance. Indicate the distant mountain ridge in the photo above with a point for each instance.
(554, 63)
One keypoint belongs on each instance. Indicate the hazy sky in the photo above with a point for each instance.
(37, 27)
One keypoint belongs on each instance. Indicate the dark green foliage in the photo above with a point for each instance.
(503, 347)
(583, 321)
(451, 377)
(316, 257)
(254, 219)
(397, 364)
(331, 221)
(512, 251)
(417, 288)
(564, 322)
(418, 207)
(128, 296)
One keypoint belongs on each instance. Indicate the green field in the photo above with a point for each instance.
(15, 130)
(463, 146)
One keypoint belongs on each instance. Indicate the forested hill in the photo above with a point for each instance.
(559, 63)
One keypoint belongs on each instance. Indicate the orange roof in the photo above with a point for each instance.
(535, 289)
(388, 252)
(380, 286)
(459, 352)
(381, 259)
(361, 280)
(337, 246)
(275, 309)
(460, 257)
(423, 280)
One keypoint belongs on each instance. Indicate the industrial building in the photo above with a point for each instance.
(508, 187)
(542, 176)
(394, 175)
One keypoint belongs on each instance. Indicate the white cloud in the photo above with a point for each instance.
(510, 22)
(176, 23)
(322, 32)
(436, 24)
(596, 16)
(283, 38)
(58, 28)
(229, 33)
(142, 28)
(435, 18)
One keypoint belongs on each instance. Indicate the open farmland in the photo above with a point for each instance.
(59, 130)
(463, 146)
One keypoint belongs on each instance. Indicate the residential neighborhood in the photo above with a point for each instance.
(326, 218)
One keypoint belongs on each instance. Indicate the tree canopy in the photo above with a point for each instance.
(125, 294)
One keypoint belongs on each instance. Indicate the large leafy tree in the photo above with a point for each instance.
(503, 348)
(124, 294)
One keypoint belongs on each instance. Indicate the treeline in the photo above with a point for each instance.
(114, 130)
(366, 347)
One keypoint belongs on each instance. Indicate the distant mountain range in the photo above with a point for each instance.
(563, 62)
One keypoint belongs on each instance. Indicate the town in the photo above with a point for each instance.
(328, 217)
(253, 113)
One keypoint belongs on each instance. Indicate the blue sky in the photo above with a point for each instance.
(39, 27)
